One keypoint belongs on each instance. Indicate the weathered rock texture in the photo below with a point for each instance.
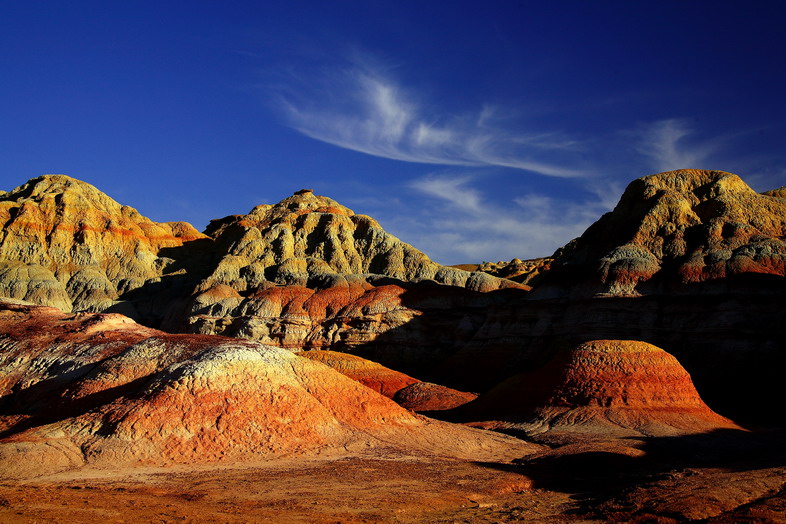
(309, 238)
(673, 230)
(613, 387)
(64, 243)
(527, 272)
(308, 272)
(101, 390)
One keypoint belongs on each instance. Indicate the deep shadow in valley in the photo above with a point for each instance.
(730, 343)
(623, 479)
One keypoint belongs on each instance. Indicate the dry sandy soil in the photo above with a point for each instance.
(724, 477)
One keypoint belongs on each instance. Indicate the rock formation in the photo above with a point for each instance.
(101, 390)
(308, 272)
(673, 230)
(611, 387)
(526, 272)
(375, 376)
(66, 244)
(427, 396)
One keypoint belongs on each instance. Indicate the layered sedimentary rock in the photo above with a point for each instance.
(527, 272)
(611, 387)
(64, 243)
(101, 390)
(673, 230)
(308, 272)
(375, 376)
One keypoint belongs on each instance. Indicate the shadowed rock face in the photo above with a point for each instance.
(675, 229)
(66, 244)
(102, 390)
(612, 387)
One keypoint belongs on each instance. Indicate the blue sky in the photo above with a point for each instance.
(472, 131)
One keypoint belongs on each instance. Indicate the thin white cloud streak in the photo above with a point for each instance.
(666, 144)
(459, 224)
(376, 116)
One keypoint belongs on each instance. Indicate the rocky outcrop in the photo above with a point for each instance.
(527, 272)
(101, 390)
(308, 272)
(611, 387)
(64, 243)
(306, 238)
(375, 376)
(676, 232)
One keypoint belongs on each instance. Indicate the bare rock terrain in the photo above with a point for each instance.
(672, 230)
(268, 367)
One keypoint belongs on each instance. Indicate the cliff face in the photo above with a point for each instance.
(671, 231)
(66, 244)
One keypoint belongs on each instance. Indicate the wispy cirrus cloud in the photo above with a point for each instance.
(671, 144)
(455, 221)
(362, 109)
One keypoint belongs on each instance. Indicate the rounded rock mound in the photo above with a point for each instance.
(610, 387)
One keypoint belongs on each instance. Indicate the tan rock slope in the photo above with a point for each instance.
(671, 230)
(66, 244)
(102, 391)
(607, 387)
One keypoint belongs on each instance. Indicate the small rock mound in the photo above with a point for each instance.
(426, 396)
(612, 387)
(375, 376)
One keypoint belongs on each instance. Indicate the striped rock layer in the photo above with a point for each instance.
(614, 387)
(99, 390)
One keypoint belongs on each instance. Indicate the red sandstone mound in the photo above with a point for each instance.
(375, 376)
(611, 387)
(425, 396)
(673, 229)
(100, 390)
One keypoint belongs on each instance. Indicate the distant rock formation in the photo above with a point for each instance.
(527, 272)
(66, 244)
(673, 230)
(100, 390)
(611, 387)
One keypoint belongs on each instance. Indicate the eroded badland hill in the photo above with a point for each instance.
(300, 364)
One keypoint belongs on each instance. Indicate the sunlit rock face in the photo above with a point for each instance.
(679, 232)
(371, 374)
(613, 387)
(66, 244)
(101, 390)
(309, 273)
